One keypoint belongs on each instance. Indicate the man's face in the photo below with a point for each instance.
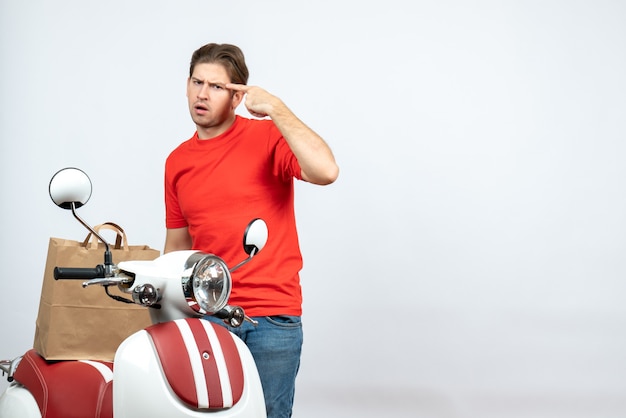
(211, 105)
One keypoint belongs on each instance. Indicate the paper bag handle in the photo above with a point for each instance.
(121, 240)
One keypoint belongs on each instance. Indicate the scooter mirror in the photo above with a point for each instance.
(70, 188)
(70, 185)
(255, 237)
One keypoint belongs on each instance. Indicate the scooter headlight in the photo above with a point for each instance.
(206, 283)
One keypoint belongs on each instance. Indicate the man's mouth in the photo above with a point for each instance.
(200, 108)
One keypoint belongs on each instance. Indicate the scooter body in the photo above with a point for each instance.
(181, 366)
(17, 401)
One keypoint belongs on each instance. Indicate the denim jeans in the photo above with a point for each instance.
(275, 344)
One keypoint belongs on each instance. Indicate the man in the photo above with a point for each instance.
(233, 170)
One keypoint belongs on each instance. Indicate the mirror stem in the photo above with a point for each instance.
(244, 261)
(88, 227)
(108, 257)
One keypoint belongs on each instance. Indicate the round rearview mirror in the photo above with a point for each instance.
(255, 237)
(70, 185)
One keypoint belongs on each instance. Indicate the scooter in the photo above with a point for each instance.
(181, 366)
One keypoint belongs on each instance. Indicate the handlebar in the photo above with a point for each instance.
(79, 273)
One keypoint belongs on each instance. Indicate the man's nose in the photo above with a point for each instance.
(203, 92)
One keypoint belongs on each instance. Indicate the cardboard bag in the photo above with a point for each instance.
(76, 323)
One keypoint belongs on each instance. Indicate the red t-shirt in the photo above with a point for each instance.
(216, 187)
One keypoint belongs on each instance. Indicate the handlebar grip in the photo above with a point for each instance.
(78, 273)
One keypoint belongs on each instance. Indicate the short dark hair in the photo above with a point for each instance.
(229, 56)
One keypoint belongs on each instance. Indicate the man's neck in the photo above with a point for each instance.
(215, 131)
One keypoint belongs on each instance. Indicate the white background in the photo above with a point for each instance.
(469, 262)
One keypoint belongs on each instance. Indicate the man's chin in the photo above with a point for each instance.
(203, 121)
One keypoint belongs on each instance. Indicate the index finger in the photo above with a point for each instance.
(238, 87)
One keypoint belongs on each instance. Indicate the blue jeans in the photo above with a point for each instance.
(275, 344)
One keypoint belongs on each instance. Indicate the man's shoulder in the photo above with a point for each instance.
(255, 126)
(181, 148)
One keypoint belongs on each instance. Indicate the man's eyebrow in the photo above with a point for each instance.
(210, 83)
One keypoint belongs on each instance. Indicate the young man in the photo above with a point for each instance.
(233, 170)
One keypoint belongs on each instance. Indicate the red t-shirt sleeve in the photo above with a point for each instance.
(286, 164)
(173, 214)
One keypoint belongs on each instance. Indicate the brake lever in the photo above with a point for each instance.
(107, 281)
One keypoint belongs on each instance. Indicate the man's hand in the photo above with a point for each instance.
(314, 156)
(259, 102)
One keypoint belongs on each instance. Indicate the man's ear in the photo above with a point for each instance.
(237, 98)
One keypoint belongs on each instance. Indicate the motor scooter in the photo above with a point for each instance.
(181, 366)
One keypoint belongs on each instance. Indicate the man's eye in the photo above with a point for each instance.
(197, 82)
(217, 86)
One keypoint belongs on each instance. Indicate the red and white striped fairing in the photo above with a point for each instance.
(211, 375)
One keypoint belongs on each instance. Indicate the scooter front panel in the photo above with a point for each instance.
(142, 390)
(210, 374)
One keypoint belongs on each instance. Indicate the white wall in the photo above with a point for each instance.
(468, 262)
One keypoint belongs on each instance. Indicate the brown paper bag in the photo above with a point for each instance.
(76, 323)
